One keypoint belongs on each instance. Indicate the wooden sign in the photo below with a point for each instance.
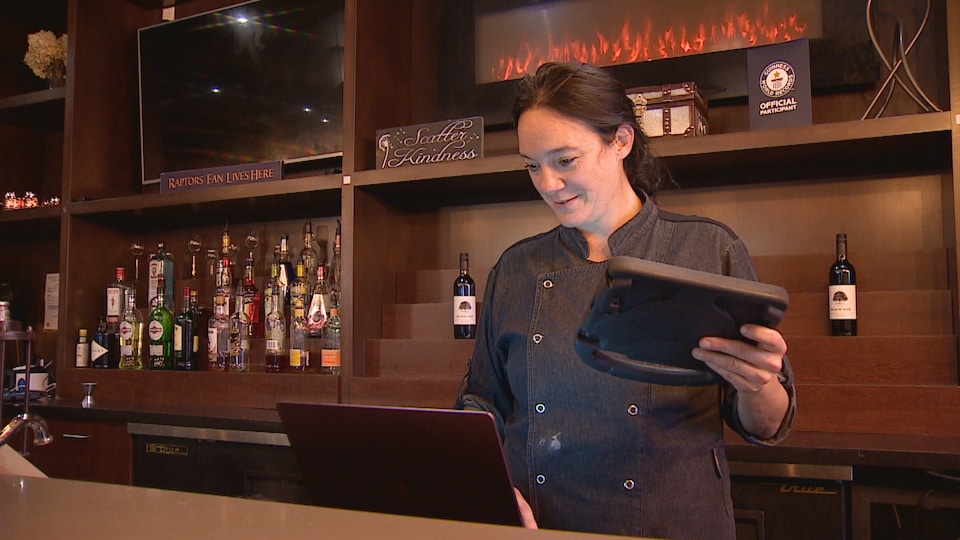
(230, 175)
(436, 142)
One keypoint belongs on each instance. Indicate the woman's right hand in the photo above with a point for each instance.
(526, 513)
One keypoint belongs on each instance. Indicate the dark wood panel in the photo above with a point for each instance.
(418, 321)
(255, 390)
(888, 313)
(90, 451)
(437, 393)
(876, 271)
(899, 360)
(418, 358)
(910, 410)
(427, 286)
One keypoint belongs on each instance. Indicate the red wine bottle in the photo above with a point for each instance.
(464, 303)
(842, 299)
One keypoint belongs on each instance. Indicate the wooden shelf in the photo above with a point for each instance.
(40, 111)
(292, 199)
(887, 146)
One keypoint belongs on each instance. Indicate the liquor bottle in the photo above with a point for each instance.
(299, 353)
(116, 296)
(268, 286)
(252, 300)
(319, 308)
(239, 359)
(224, 283)
(333, 279)
(843, 292)
(218, 336)
(186, 339)
(104, 351)
(277, 357)
(83, 350)
(161, 264)
(131, 334)
(330, 352)
(201, 316)
(160, 332)
(226, 246)
(309, 255)
(464, 303)
(298, 287)
(286, 271)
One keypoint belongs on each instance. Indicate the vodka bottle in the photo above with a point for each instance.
(299, 353)
(252, 300)
(330, 352)
(319, 308)
(218, 336)
(275, 331)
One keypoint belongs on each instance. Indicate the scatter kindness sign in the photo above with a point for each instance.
(436, 142)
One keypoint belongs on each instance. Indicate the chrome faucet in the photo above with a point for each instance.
(41, 433)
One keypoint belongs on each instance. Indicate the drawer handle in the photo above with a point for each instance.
(75, 436)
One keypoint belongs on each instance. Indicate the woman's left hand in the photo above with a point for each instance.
(746, 366)
(752, 368)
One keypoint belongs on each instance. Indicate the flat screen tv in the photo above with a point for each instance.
(258, 81)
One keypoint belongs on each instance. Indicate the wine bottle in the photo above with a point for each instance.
(464, 303)
(843, 292)
(185, 339)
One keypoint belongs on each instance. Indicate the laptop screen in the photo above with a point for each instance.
(436, 463)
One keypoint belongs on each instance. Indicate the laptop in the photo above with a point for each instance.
(435, 463)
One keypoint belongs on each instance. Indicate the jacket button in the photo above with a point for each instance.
(537, 338)
(541, 408)
(547, 284)
(633, 410)
(541, 479)
(629, 484)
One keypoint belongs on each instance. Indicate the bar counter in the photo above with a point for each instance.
(853, 449)
(70, 509)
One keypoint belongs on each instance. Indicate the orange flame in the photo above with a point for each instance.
(732, 31)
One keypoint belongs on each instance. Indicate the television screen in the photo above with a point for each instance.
(259, 81)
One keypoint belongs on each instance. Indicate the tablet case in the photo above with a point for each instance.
(646, 318)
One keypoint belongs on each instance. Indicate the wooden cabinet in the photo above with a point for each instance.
(97, 451)
(889, 183)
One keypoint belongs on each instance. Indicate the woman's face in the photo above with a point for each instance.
(576, 172)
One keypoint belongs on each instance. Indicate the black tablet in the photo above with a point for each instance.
(646, 318)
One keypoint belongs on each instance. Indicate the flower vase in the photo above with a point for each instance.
(57, 76)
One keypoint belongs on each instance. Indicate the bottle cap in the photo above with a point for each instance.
(83, 332)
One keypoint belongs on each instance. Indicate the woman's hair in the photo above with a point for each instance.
(592, 96)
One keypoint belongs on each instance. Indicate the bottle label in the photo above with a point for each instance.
(126, 330)
(295, 359)
(155, 331)
(330, 358)
(156, 350)
(843, 302)
(273, 345)
(97, 351)
(178, 338)
(114, 300)
(212, 344)
(317, 315)
(464, 310)
(126, 350)
(83, 355)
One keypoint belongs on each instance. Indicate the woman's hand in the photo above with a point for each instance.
(526, 513)
(752, 369)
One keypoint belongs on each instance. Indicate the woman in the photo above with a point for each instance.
(589, 451)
